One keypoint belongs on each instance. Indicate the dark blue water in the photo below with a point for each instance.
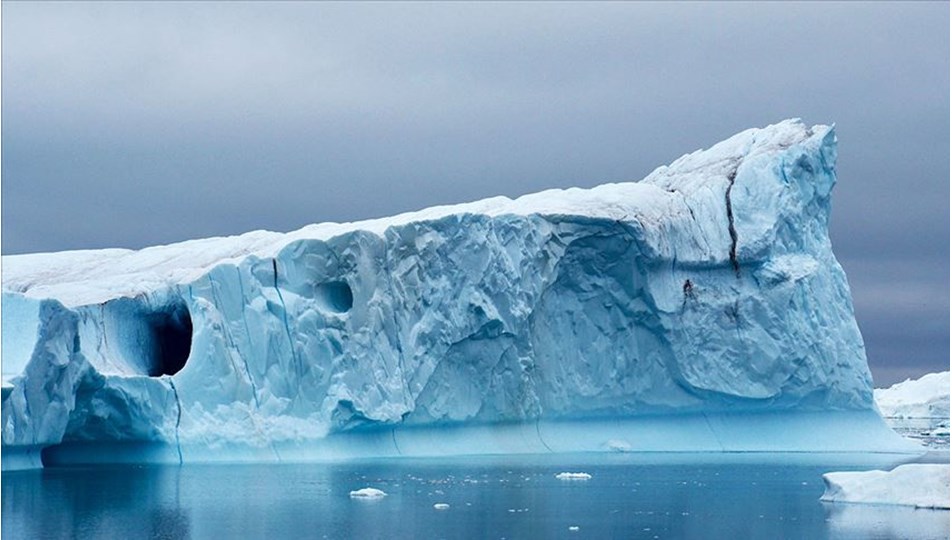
(511, 497)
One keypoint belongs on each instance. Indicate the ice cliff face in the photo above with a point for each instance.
(708, 288)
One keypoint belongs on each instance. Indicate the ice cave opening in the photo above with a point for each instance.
(336, 295)
(171, 332)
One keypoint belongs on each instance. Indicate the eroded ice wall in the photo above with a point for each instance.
(694, 299)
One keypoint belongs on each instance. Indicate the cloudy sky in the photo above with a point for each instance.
(136, 124)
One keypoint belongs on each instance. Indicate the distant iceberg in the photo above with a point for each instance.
(923, 398)
(700, 309)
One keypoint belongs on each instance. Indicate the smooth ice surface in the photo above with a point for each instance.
(700, 309)
(916, 484)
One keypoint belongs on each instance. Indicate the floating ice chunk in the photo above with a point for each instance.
(918, 484)
(573, 476)
(441, 506)
(367, 493)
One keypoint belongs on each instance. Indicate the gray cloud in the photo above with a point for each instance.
(130, 124)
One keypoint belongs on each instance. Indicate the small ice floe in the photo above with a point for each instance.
(367, 493)
(573, 528)
(573, 476)
(441, 506)
(918, 484)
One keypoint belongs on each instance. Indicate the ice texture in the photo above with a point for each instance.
(917, 484)
(700, 309)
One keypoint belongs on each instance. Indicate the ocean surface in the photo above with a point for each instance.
(511, 497)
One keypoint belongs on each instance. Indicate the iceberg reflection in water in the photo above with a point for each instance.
(671, 496)
(882, 521)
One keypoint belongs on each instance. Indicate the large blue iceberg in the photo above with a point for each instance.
(700, 309)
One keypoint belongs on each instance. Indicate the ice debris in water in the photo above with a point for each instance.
(367, 493)
(573, 476)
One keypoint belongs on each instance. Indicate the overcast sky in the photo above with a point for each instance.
(130, 124)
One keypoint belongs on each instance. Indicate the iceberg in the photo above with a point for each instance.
(918, 409)
(924, 398)
(700, 309)
(916, 484)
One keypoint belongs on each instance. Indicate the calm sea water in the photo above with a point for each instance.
(503, 497)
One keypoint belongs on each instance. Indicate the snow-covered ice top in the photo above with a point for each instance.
(94, 276)
(926, 397)
(917, 484)
(573, 320)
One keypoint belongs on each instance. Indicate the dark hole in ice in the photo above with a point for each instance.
(171, 331)
(337, 295)
(46, 456)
